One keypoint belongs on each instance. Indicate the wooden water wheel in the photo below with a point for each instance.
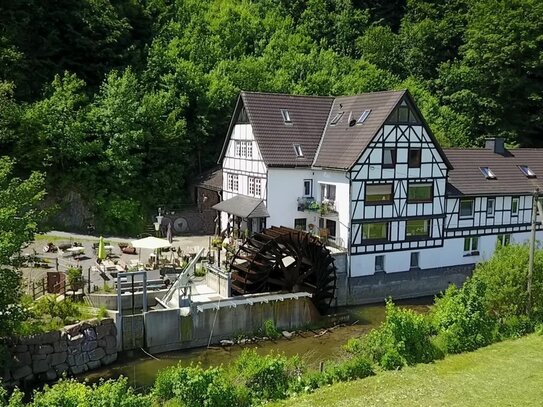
(285, 259)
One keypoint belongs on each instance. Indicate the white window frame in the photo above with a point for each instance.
(244, 149)
(513, 199)
(232, 182)
(249, 149)
(309, 183)
(251, 185)
(417, 256)
(490, 209)
(258, 187)
(382, 268)
(504, 239)
(237, 148)
(472, 209)
(473, 245)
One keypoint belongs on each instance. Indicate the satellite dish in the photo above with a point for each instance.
(352, 123)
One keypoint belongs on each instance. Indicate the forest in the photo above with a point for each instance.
(122, 103)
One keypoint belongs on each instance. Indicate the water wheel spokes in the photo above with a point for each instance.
(285, 259)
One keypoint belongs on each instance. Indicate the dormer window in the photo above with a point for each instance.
(286, 116)
(298, 150)
(527, 171)
(487, 172)
(336, 119)
(363, 116)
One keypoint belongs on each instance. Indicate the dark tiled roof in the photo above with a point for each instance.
(211, 179)
(243, 206)
(341, 144)
(466, 177)
(275, 138)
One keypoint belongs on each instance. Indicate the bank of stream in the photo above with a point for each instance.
(141, 369)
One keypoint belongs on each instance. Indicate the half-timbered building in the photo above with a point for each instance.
(366, 173)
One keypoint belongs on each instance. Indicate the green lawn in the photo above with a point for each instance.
(509, 373)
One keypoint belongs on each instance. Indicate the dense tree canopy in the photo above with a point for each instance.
(123, 102)
(19, 218)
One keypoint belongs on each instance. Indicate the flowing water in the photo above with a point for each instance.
(313, 348)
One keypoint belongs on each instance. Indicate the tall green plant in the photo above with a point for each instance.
(461, 318)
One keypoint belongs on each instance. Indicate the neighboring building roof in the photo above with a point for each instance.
(243, 206)
(276, 139)
(211, 179)
(467, 179)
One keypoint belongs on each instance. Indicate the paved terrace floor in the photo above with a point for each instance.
(188, 244)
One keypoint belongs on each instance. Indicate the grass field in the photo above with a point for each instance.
(509, 373)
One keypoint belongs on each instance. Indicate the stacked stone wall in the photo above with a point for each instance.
(72, 350)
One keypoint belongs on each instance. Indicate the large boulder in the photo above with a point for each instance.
(21, 372)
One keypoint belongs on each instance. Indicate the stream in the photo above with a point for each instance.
(141, 369)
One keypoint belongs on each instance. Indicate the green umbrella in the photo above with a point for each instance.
(101, 249)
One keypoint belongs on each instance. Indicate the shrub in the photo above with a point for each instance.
(354, 368)
(102, 313)
(266, 377)
(164, 384)
(505, 276)
(75, 278)
(195, 387)
(516, 326)
(270, 330)
(461, 319)
(403, 339)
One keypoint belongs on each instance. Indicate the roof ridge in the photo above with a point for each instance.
(286, 94)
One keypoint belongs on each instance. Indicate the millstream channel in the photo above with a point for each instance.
(141, 369)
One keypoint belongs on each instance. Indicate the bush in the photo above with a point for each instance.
(270, 330)
(461, 318)
(505, 276)
(48, 314)
(516, 326)
(164, 384)
(403, 339)
(75, 278)
(102, 313)
(195, 387)
(266, 377)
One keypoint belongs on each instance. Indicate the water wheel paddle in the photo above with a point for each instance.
(284, 259)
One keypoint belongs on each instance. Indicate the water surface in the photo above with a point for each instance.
(312, 347)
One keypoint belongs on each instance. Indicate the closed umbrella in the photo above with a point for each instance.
(169, 235)
(101, 249)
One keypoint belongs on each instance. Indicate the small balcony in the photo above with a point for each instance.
(325, 208)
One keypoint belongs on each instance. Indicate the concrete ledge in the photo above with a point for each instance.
(408, 284)
(109, 301)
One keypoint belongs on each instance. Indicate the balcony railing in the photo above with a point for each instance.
(326, 207)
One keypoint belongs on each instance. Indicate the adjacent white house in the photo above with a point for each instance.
(366, 174)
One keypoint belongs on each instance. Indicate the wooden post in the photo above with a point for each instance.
(33, 290)
(532, 252)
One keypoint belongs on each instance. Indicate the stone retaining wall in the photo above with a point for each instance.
(72, 350)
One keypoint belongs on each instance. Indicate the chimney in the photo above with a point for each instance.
(496, 144)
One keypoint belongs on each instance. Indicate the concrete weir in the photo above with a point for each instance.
(207, 323)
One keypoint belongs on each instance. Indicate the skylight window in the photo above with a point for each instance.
(336, 119)
(298, 150)
(487, 172)
(363, 116)
(527, 171)
(286, 116)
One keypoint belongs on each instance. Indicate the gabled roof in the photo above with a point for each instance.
(276, 139)
(341, 145)
(466, 178)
